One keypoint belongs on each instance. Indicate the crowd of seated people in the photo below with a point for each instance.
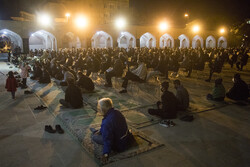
(136, 64)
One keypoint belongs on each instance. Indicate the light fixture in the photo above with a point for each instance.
(163, 26)
(120, 23)
(81, 22)
(44, 19)
(196, 28)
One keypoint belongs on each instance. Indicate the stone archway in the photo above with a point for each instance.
(222, 42)
(197, 42)
(71, 41)
(102, 39)
(184, 41)
(126, 40)
(147, 40)
(210, 42)
(42, 40)
(166, 40)
(15, 39)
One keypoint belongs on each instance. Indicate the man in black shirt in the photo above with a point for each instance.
(85, 82)
(73, 96)
(168, 103)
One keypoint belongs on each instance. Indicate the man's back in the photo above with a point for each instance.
(182, 97)
(114, 129)
(169, 104)
(73, 96)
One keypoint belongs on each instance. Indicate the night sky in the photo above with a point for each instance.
(213, 12)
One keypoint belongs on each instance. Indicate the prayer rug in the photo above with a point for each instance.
(139, 118)
(120, 102)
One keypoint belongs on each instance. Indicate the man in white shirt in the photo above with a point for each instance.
(138, 75)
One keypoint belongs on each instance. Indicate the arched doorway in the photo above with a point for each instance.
(197, 42)
(184, 41)
(147, 40)
(126, 40)
(210, 42)
(102, 39)
(42, 40)
(222, 42)
(71, 41)
(167, 41)
(14, 40)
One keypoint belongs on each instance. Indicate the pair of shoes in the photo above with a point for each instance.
(167, 123)
(123, 91)
(108, 85)
(41, 107)
(58, 129)
(28, 92)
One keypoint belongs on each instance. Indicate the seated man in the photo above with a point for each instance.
(138, 75)
(116, 71)
(181, 95)
(45, 78)
(239, 91)
(67, 75)
(114, 134)
(219, 91)
(85, 82)
(73, 96)
(168, 103)
(37, 71)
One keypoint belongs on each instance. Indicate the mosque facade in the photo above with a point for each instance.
(26, 33)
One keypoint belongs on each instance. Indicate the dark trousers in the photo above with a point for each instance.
(13, 94)
(109, 75)
(210, 97)
(130, 76)
(24, 81)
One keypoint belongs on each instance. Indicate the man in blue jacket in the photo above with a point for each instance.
(114, 134)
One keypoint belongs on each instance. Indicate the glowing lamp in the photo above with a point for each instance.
(163, 26)
(44, 19)
(196, 28)
(120, 23)
(81, 22)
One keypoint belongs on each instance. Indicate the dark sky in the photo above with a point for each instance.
(213, 12)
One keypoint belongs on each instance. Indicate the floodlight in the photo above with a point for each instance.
(163, 26)
(81, 22)
(222, 30)
(67, 15)
(196, 28)
(44, 19)
(120, 23)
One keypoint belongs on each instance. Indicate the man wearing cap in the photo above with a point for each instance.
(167, 107)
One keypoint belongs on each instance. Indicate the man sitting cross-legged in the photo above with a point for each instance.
(85, 83)
(73, 96)
(168, 103)
(114, 134)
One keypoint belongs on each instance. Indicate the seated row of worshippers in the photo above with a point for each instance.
(159, 61)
